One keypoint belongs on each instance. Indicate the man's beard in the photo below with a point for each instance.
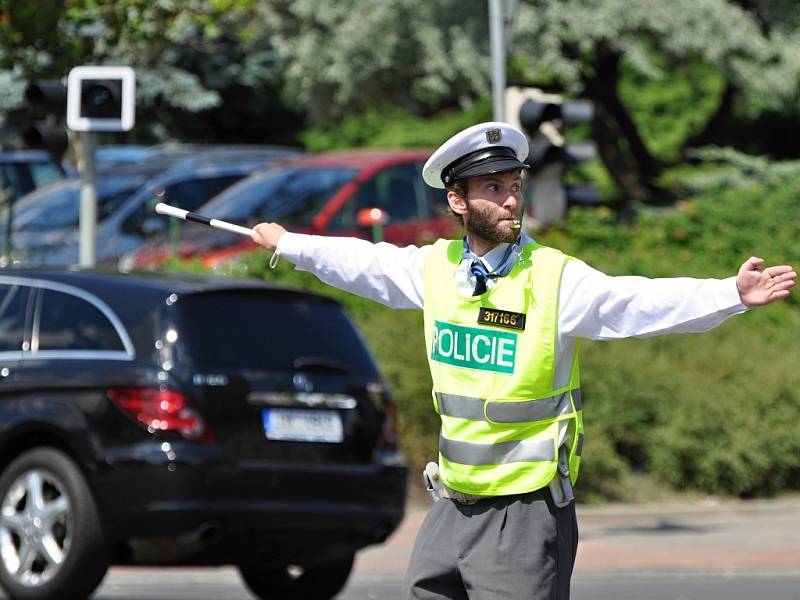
(484, 225)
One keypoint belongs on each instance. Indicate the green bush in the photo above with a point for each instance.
(712, 413)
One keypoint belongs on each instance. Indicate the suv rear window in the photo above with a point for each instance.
(270, 332)
(70, 323)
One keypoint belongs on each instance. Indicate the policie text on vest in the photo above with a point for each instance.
(474, 348)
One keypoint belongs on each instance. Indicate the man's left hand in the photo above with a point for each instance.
(759, 286)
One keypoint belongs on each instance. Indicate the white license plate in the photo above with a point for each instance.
(302, 425)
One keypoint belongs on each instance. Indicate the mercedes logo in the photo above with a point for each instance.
(302, 383)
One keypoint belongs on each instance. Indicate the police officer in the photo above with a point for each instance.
(503, 318)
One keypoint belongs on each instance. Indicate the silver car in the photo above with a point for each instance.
(45, 223)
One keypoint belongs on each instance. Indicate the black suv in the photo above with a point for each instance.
(182, 420)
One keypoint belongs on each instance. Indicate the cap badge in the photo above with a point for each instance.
(493, 136)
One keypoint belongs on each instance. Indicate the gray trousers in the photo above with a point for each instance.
(504, 548)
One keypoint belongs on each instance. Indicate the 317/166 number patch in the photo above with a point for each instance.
(501, 318)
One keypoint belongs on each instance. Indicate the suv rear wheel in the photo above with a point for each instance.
(51, 543)
(320, 582)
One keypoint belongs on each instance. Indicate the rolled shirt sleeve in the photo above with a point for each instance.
(600, 307)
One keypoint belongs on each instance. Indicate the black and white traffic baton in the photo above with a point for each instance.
(179, 213)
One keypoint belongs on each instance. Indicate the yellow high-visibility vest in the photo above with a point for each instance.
(492, 360)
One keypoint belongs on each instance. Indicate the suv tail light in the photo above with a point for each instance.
(387, 450)
(161, 410)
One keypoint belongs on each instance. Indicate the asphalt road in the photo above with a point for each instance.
(224, 584)
(690, 551)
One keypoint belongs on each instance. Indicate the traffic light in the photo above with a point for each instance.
(46, 103)
(101, 98)
(545, 118)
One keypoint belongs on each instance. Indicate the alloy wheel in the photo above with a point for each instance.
(35, 527)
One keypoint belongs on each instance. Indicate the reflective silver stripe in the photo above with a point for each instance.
(525, 411)
(462, 407)
(565, 348)
(579, 449)
(576, 398)
(469, 453)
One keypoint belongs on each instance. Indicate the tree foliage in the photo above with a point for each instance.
(391, 127)
(198, 63)
(585, 46)
(343, 57)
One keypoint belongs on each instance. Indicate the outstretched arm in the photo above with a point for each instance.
(596, 306)
(758, 286)
(381, 272)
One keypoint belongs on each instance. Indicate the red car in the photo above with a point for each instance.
(334, 193)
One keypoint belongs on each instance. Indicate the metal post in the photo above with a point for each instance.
(8, 247)
(498, 47)
(549, 196)
(174, 238)
(377, 232)
(88, 215)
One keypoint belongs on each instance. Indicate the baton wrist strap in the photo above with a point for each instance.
(273, 260)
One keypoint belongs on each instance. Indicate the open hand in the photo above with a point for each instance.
(758, 286)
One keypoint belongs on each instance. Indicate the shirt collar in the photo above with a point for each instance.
(493, 257)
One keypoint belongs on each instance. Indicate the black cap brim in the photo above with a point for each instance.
(496, 166)
(495, 159)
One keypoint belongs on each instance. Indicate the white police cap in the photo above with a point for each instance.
(482, 149)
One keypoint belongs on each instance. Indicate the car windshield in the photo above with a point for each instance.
(60, 207)
(45, 173)
(292, 196)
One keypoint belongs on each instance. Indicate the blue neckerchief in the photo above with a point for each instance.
(507, 263)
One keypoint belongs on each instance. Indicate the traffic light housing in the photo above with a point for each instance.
(101, 98)
(46, 103)
(545, 118)
(96, 98)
